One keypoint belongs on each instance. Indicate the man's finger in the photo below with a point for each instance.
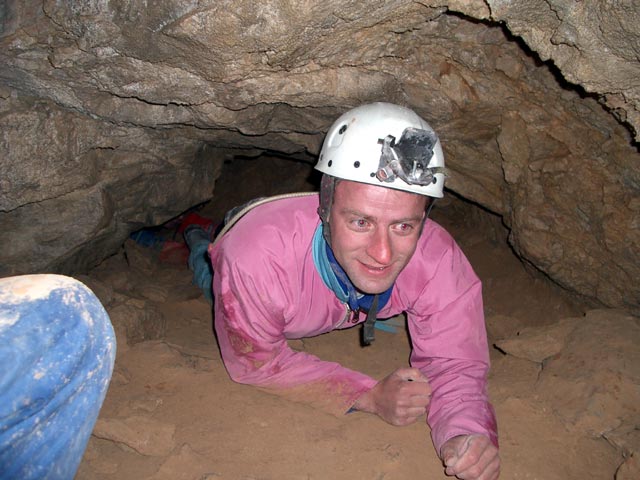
(419, 397)
(415, 411)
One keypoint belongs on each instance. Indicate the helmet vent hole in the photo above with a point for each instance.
(372, 174)
(356, 164)
(343, 129)
(330, 163)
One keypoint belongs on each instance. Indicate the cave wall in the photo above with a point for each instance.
(116, 115)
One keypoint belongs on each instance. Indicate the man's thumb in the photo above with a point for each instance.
(454, 448)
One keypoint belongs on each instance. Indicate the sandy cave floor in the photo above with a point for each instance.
(172, 412)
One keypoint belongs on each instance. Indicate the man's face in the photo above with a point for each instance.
(374, 232)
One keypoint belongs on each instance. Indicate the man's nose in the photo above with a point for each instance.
(380, 247)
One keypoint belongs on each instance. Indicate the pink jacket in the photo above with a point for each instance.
(267, 290)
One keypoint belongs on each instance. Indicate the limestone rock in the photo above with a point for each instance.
(586, 41)
(542, 448)
(538, 344)
(115, 116)
(136, 320)
(629, 470)
(590, 373)
(594, 383)
(500, 327)
(626, 438)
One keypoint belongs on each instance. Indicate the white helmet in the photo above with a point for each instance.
(385, 145)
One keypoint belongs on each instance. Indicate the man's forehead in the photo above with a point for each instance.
(349, 187)
(364, 196)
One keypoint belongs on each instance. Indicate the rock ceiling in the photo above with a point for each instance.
(118, 115)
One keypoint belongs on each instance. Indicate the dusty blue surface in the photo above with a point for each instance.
(57, 350)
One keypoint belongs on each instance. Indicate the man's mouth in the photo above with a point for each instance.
(375, 269)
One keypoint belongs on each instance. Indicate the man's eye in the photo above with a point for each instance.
(405, 227)
(360, 223)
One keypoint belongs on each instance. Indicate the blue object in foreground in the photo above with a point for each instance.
(57, 350)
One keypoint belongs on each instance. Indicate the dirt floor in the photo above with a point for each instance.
(172, 412)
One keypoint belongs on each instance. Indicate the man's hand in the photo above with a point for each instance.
(399, 399)
(471, 457)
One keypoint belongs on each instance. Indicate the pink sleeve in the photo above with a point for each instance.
(450, 347)
(251, 310)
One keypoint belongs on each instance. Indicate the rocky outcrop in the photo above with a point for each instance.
(118, 115)
(594, 44)
(585, 370)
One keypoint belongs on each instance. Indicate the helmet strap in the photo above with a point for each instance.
(327, 188)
